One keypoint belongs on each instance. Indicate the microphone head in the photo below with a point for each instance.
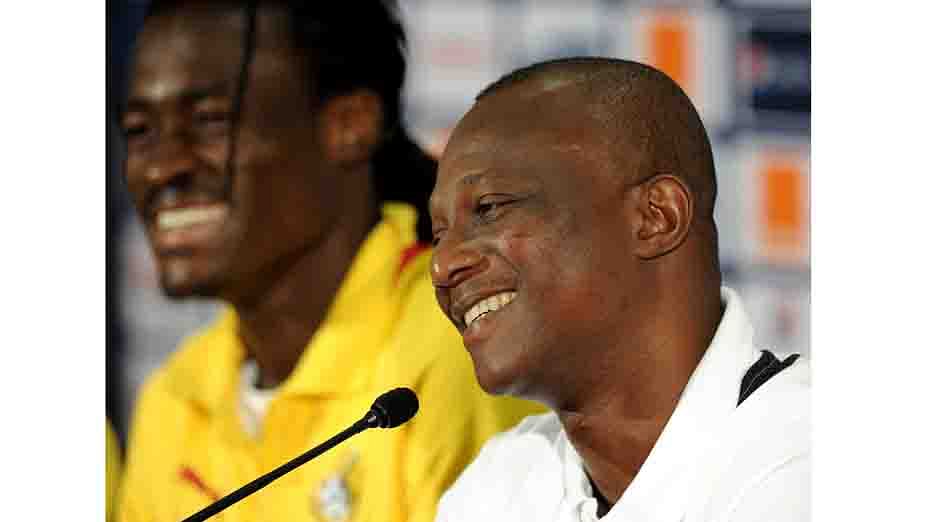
(392, 409)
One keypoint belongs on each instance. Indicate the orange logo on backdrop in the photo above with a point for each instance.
(669, 46)
(783, 216)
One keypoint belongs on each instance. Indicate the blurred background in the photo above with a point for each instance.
(745, 64)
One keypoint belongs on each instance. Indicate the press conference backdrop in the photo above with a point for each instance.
(746, 65)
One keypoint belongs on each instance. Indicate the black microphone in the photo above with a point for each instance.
(388, 411)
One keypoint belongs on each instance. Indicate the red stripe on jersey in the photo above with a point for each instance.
(409, 254)
(188, 474)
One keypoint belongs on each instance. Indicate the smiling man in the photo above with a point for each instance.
(266, 159)
(576, 252)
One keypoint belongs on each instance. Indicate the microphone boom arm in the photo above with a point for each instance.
(388, 411)
(261, 481)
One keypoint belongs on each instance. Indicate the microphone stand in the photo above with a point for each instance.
(261, 481)
(390, 410)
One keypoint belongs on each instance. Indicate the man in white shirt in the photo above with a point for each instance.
(575, 250)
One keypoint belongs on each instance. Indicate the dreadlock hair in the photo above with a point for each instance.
(353, 44)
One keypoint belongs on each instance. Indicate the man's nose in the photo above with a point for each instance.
(173, 158)
(455, 260)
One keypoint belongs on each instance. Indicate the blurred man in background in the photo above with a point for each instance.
(268, 165)
(576, 252)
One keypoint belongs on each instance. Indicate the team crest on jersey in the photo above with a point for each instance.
(332, 498)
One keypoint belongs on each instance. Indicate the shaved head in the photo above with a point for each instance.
(637, 107)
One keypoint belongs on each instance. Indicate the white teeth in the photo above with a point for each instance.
(490, 304)
(186, 217)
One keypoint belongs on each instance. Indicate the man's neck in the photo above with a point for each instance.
(613, 442)
(276, 327)
(617, 424)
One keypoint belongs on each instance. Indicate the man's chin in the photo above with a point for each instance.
(182, 277)
(495, 382)
(184, 291)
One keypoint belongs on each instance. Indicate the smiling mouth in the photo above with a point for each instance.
(183, 218)
(487, 306)
(178, 230)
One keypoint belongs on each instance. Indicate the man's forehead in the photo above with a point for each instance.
(482, 146)
(489, 151)
(188, 24)
(171, 43)
(176, 53)
(468, 142)
(464, 158)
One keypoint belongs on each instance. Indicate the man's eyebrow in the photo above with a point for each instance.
(489, 175)
(188, 95)
(472, 179)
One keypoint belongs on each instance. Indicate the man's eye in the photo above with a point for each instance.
(135, 132)
(212, 117)
(486, 208)
(490, 208)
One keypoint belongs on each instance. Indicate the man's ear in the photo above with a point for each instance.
(665, 210)
(352, 126)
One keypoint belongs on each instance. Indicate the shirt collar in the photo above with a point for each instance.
(342, 349)
(708, 399)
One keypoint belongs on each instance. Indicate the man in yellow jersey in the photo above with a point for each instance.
(264, 153)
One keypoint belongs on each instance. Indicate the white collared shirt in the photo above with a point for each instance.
(254, 400)
(714, 460)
